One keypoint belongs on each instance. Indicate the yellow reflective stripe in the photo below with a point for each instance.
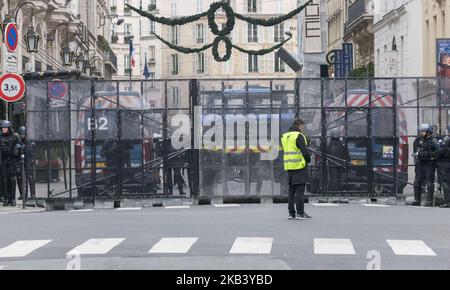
(293, 160)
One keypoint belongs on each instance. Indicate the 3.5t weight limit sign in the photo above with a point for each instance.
(12, 88)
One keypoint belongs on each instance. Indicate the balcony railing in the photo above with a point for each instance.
(357, 10)
(110, 57)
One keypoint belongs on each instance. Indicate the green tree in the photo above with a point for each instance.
(364, 72)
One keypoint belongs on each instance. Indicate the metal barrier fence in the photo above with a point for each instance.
(94, 139)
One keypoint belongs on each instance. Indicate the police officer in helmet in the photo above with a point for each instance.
(9, 152)
(424, 153)
(444, 164)
(27, 151)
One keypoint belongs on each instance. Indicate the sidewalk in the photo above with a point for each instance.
(18, 209)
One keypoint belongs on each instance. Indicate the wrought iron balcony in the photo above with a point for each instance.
(358, 12)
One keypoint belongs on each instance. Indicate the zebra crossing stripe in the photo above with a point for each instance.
(252, 246)
(375, 205)
(22, 249)
(410, 248)
(81, 210)
(178, 207)
(2, 267)
(325, 204)
(173, 246)
(129, 209)
(96, 247)
(333, 247)
(225, 205)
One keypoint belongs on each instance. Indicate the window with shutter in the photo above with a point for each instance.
(253, 63)
(252, 31)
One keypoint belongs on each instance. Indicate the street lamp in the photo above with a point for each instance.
(87, 68)
(32, 40)
(81, 62)
(67, 56)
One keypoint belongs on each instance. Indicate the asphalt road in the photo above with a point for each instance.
(246, 237)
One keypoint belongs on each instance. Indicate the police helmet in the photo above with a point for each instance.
(426, 128)
(22, 130)
(6, 124)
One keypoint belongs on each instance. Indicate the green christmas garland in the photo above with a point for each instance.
(228, 46)
(263, 51)
(183, 49)
(221, 35)
(169, 21)
(229, 26)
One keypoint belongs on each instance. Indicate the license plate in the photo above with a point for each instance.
(101, 164)
(358, 162)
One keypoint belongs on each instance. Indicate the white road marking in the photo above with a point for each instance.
(81, 210)
(252, 246)
(2, 267)
(226, 205)
(375, 205)
(325, 204)
(173, 246)
(178, 207)
(96, 247)
(333, 247)
(22, 211)
(129, 208)
(22, 249)
(410, 248)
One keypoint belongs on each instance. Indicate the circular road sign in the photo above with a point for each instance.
(57, 89)
(12, 87)
(11, 37)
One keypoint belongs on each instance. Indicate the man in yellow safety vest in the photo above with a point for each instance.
(296, 159)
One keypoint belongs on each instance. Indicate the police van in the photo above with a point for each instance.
(349, 116)
(129, 158)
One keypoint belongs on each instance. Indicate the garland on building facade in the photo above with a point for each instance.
(221, 35)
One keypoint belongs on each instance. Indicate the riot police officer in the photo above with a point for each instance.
(424, 152)
(9, 152)
(437, 139)
(339, 155)
(28, 164)
(444, 165)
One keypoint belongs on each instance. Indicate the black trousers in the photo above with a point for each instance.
(424, 178)
(297, 199)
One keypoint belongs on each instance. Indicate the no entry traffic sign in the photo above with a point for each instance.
(57, 91)
(11, 37)
(12, 88)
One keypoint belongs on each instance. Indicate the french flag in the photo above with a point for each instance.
(132, 55)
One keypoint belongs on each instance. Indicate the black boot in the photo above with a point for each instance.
(446, 197)
(417, 196)
(430, 195)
